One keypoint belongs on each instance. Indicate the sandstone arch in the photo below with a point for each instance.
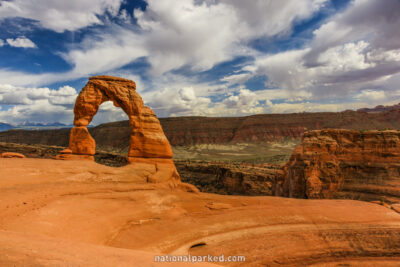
(147, 138)
(149, 155)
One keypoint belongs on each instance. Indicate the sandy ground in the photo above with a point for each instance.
(80, 213)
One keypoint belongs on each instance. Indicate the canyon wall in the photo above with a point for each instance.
(232, 179)
(332, 163)
(345, 164)
(186, 131)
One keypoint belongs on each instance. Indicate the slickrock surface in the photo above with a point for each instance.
(81, 213)
(344, 163)
(51, 152)
(11, 155)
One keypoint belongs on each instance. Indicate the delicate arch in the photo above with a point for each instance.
(147, 139)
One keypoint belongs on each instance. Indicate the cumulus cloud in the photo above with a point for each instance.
(108, 112)
(105, 52)
(347, 58)
(171, 34)
(176, 102)
(269, 18)
(11, 95)
(38, 111)
(199, 35)
(21, 42)
(368, 20)
(371, 95)
(353, 58)
(37, 104)
(60, 15)
(1, 43)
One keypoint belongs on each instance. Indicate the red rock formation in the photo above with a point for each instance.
(345, 163)
(148, 144)
(232, 179)
(12, 155)
(81, 142)
(147, 137)
(380, 108)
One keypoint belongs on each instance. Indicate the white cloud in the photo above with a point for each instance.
(1, 43)
(187, 94)
(183, 33)
(108, 112)
(172, 34)
(105, 52)
(354, 56)
(37, 104)
(237, 78)
(21, 42)
(12, 95)
(269, 18)
(39, 111)
(285, 69)
(368, 20)
(354, 53)
(60, 15)
(371, 96)
(346, 57)
(167, 102)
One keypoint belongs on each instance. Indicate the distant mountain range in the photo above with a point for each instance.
(5, 126)
(33, 126)
(379, 108)
(38, 124)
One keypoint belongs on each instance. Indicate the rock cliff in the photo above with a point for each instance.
(232, 179)
(344, 163)
(186, 131)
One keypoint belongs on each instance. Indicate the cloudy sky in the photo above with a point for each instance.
(199, 57)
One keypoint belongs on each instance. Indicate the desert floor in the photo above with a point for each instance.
(80, 213)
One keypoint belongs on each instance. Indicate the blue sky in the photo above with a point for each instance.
(199, 57)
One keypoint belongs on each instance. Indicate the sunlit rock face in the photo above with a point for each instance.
(147, 137)
(345, 163)
(148, 145)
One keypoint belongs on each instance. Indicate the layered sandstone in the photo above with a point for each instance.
(187, 131)
(12, 155)
(344, 163)
(148, 146)
(80, 213)
(147, 139)
(232, 179)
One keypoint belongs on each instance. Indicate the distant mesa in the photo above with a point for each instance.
(148, 143)
(39, 124)
(380, 108)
